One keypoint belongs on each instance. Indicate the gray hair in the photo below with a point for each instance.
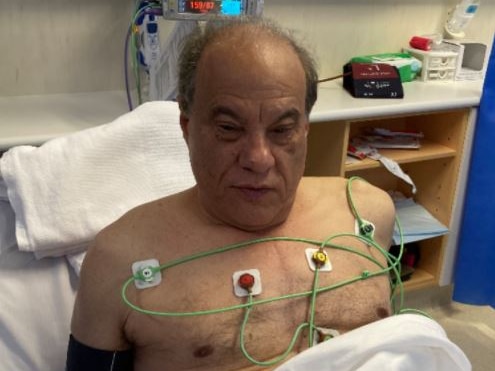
(200, 39)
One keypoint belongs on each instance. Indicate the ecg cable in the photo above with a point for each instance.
(392, 269)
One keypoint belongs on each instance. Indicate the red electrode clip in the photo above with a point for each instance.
(246, 281)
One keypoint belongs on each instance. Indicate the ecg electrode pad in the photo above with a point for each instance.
(247, 282)
(146, 273)
(366, 229)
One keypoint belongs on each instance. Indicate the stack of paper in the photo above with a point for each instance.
(416, 222)
(384, 138)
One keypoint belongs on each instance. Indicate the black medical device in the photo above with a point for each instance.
(372, 80)
(205, 9)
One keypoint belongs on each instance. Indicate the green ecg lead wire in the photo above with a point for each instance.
(393, 267)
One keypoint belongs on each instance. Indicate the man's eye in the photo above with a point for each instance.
(227, 127)
(228, 131)
(283, 130)
(282, 134)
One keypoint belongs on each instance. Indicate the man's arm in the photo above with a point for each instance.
(97, 338)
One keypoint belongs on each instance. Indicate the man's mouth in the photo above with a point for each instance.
(252, 193)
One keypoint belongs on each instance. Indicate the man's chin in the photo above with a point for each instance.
(251, 215)
(256, 222)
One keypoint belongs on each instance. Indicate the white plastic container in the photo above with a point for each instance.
(436, 65)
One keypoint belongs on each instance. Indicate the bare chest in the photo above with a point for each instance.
(201, 319)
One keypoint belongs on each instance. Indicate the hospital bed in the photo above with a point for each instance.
(56, 197)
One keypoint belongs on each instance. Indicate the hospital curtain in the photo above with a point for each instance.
(474, 280)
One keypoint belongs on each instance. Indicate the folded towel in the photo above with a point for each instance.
(402, 342)
(71, 187)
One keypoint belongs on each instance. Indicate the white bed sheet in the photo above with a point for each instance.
(36, 301)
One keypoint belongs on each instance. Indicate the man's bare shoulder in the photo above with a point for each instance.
(370, 202)
(138, 229)
(108, 264)
(375, 205)
(370, 197)
(355, 188)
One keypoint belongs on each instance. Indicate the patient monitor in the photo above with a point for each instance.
(205, 9)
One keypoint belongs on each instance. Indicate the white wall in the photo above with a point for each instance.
(59, 46)
(63, 46)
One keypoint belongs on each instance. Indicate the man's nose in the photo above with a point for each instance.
(256, 154)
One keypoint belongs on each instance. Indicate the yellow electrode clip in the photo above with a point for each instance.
(318, 259)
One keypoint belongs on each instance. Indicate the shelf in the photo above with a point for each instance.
(435, 168)
(420, 279)
(334, 103)
(428, 151)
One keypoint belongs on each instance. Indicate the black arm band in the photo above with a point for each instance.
(80, 357)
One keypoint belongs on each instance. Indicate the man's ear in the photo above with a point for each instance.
(184, 125)
(184, 117)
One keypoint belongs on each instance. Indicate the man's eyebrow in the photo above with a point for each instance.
(223, 110)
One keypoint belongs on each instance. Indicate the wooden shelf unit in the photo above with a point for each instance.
(434, 169)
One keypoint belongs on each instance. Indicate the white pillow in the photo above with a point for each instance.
(68, 189)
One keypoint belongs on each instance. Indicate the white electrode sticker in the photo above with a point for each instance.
(366, 229)
(146, 273)
(247, 281)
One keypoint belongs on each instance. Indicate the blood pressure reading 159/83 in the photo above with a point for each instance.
(224, 7)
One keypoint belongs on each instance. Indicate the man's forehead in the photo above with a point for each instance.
(262, 66)
(267, 73)
(267, 51)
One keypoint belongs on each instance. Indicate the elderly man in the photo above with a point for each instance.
(254, 278)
